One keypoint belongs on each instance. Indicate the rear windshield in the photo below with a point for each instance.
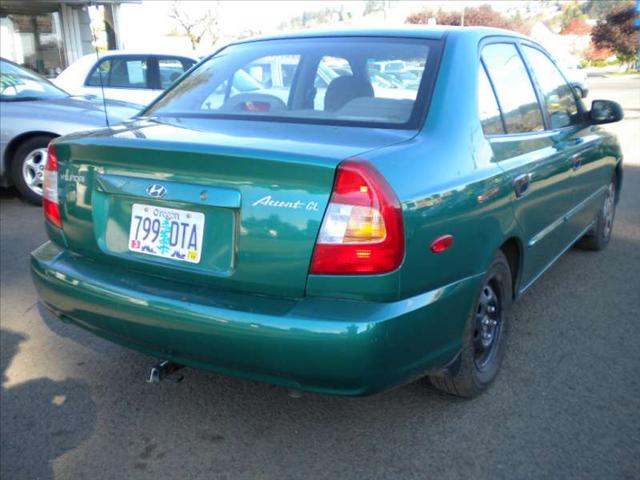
(310, 80)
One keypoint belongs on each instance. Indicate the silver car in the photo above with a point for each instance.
(32, 112)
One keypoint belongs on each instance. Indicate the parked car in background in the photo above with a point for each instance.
(345, 246)
(387, 66)
(32, 112)
(406, 78)
(129, 76)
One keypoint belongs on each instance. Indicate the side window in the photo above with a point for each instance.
(488, 106)
(276, 71)
(121, 72)
(170, 69)
(262, 85)
(558, 95)
(395, 78)
(329, 69)
(514, 89)
(104, 67)
(288, 71)
(128, 73)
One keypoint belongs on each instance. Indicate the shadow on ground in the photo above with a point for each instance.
(58, 416)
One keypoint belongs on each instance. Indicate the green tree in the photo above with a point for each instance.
(618, 33)
(569, 13)
(598, 9)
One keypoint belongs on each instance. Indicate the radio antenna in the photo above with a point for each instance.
(104, 100)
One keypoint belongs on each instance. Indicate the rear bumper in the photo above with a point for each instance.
(324, 345)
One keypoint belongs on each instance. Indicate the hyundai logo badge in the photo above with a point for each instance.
(156, 191)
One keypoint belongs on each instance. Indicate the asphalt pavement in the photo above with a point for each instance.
(566, 404)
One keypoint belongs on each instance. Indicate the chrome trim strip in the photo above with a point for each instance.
(539, 274)
(549, 228)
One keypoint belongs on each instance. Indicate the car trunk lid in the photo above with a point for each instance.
(260, 190)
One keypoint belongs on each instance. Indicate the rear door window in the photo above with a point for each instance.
(558, 95)
(514, 89)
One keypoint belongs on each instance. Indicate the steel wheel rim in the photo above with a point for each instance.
(33, 169)
(488, 325)
(608, 210)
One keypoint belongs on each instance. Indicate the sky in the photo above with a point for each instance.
(143, 24)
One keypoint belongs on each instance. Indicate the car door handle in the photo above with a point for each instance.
(521, 184)
(576, 161)
(569, 143)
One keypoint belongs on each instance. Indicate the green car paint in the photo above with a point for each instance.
(250, 308)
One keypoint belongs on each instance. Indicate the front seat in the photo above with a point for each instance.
(344, 89)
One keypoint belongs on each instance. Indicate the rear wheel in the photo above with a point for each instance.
(484, 336)
(598, 238)
(27, 167)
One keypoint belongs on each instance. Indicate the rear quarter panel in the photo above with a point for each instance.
(448, 182)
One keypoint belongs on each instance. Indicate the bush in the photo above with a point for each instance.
(482, 16)
(617, 32)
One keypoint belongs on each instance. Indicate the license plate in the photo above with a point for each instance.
(166, 232)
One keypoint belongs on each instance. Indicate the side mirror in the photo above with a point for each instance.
(605, 111)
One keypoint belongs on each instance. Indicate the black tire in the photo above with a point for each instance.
(477, 365)
(29, 156)
(598, 237)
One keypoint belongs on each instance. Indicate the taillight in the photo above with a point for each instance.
(362, 230)
(50, 189)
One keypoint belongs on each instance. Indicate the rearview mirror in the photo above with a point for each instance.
(605, 111)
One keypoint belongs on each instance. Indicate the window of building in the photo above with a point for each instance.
(34, 41)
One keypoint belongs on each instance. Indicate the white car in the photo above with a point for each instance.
(128, 76)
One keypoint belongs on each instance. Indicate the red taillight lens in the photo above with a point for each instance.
(50, 189)
(362, 230)
(442, 243)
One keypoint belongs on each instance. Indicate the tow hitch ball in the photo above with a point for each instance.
(163, 370)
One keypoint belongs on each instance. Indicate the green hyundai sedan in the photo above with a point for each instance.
(285, 214)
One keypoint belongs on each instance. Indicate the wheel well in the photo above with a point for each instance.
(15, 143)
(513, 251)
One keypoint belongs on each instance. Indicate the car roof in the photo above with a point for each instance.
(435, 32)
(126, 53)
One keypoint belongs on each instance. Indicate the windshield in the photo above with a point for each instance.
(317, 80)
(19, 84)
